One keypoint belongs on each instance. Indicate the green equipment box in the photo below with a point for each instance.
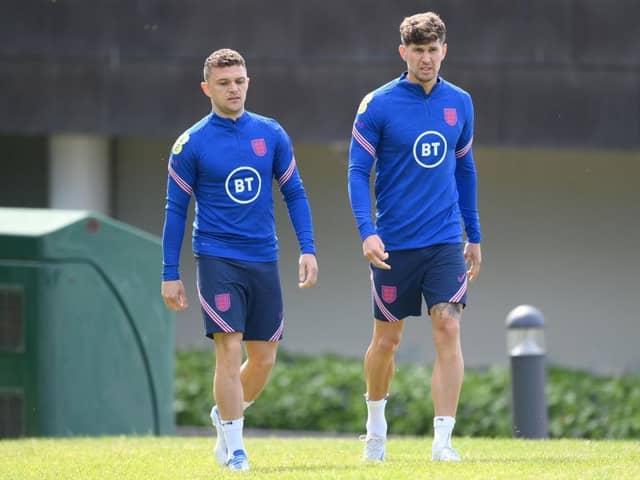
(86, 343)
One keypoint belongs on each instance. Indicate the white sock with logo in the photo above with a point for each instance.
(245, 405)
(442, 429)
(233, 434)
(376, 421)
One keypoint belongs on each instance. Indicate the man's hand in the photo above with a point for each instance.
(473, 256)
(174, 295)
(373, 250)
(307, 271)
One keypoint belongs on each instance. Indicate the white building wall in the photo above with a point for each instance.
(79, 172)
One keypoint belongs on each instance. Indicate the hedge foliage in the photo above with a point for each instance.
(325, 393)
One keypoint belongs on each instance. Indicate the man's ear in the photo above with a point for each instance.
(205, 88)
(403, 52)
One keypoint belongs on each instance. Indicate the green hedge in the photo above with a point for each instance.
(325, 393)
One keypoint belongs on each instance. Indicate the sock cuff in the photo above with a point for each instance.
(382, 401)
(236, 424)
(442, 421)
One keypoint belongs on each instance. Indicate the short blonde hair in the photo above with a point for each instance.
(225, 57)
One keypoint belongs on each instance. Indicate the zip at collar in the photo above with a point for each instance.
(216, 119)
(417, 88)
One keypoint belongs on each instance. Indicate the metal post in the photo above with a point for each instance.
(525, 344)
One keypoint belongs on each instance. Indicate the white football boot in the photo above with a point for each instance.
(220, 449)
(374, 448)
(238, 461)
(444, 453)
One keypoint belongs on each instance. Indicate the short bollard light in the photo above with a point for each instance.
(526, 348)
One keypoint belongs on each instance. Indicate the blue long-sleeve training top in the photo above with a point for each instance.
(228, 165)
(425, 176)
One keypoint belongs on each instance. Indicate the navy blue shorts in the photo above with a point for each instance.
(437, 273)
(240, 296)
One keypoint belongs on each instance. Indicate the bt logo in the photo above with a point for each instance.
(243, 185)
(429, 149)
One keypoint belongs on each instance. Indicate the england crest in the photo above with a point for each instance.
(450, 116)
(389, 294)
(223, 302)
(259, 147)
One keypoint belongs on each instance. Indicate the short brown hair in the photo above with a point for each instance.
(225, 57)
(422, 28)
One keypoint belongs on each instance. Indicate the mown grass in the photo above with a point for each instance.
(274, 458)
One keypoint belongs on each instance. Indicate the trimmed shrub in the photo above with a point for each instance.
(325, 393)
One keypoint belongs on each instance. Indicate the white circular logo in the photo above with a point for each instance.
(243, 185)
(429, 149)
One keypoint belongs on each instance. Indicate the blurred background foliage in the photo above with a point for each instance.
(325, 393)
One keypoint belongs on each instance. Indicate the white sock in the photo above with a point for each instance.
(233, 434)
(442, 429)
(376, 422)
(245, 405)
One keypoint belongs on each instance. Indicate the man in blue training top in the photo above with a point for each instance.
(418, 130)
(227, 161)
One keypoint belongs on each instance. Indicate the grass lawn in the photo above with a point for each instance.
(138, 458)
